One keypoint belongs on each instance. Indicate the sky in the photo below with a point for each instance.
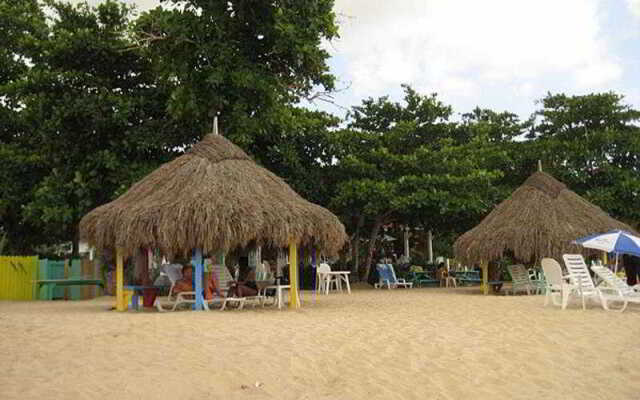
(498, 54)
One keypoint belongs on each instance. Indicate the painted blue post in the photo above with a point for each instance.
(301, 270)
(196, 261)
(134, 300)
(314, 272)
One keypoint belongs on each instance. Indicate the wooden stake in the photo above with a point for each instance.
(485, 278)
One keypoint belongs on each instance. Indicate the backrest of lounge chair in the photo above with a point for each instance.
(519, 274)
(611, 279)
(384, 275)
(578, 273)
(223, 275)
(174, 273)
(552, 272)
(393, 272)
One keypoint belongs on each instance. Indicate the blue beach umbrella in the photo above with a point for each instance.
(619, 242)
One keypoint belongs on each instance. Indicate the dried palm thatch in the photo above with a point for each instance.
(540, 219)
(213, 197)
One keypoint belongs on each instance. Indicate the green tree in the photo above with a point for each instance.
(592, 143)
(22, 26)
(406, 162)
(246, 61)
(92, 113)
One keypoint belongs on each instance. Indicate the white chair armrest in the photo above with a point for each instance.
(181, 296)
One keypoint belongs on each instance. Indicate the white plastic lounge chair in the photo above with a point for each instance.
(614, 289)
(399, 282)
(520, 279)
(384, 277)
(557, 286)
(224, 278)
(580, 279)
(387, 276)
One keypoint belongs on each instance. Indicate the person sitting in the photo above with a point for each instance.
(185, 284)
(632, 269)
(245, 288)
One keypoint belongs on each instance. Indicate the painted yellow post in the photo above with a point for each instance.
(121, 304)
(485, 278)
(294, 302)
(604, 258)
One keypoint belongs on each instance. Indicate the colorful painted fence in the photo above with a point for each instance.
(76, 269)
(16, 277)
(18, 273)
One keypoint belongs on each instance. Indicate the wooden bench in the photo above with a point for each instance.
(50, 284)
(419, 278)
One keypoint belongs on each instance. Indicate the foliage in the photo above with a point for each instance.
(591, 143)
(246, 61)
(406, 162)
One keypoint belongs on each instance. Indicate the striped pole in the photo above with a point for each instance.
(314, 272)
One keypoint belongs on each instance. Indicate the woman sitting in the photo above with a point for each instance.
(185, 284)
(245, 288)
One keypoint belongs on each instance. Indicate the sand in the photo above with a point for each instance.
(374, 344)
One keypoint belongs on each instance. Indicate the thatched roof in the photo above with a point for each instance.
(214, 197)
(540, 219)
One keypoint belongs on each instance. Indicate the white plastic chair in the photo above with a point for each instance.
(614, 289)
(580, 279)
(324, 280)
(557, 286)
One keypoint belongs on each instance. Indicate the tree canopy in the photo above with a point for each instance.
(94, 98)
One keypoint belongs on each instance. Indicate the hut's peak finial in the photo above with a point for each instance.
(539, 165)
(215, 125)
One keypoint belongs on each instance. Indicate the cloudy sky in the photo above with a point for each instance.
(498, 54)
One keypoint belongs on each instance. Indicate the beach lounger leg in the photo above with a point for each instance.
(546, 298)
(565, 298)
(134, 301)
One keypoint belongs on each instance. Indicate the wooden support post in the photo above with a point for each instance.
(604, 258)
(430, 246)
(294, 301)
(196, 261)
(121, 302)
(485, 278)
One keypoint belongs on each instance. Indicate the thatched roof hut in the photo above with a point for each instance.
(540, 219)
(214, 197)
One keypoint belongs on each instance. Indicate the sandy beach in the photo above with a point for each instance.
(402, 344)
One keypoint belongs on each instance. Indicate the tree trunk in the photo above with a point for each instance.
(141, 265)
(75, 245)
(430, 246)
(356, 247)
(372, 247)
